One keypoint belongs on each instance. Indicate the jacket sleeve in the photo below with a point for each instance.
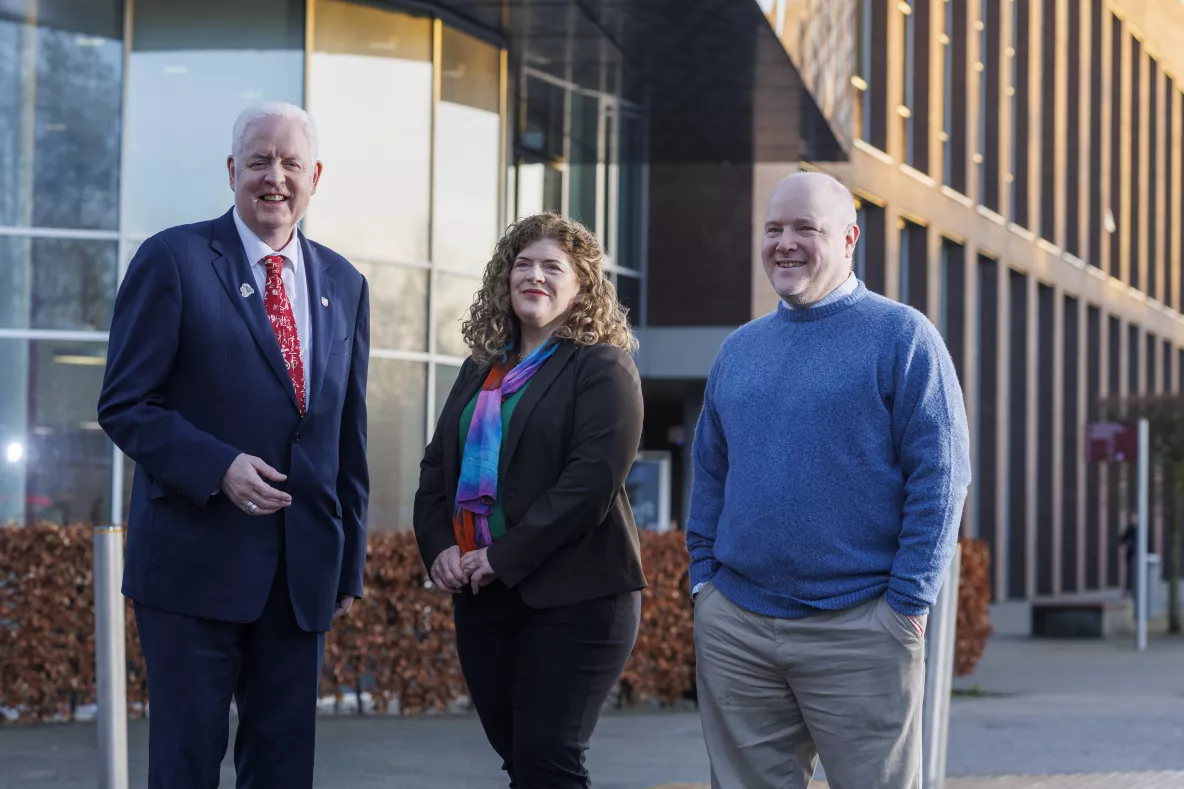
(353, 474)
(606, 435)
(432, 518)
(144, 340)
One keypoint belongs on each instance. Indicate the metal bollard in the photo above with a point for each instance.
(941, 632)
(110, 658)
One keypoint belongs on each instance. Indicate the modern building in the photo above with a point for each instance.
(439, 123)
(1018, 166)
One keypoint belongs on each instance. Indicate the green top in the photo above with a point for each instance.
(497, 519)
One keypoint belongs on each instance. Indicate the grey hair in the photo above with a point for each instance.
(272, 109)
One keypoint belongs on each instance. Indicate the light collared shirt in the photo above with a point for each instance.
(846, 289)
(295, 284)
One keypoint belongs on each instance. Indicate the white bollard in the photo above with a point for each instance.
(1142, 587)
(110, 658)
(941, 632)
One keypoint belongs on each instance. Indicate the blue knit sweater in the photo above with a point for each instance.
(831, 461)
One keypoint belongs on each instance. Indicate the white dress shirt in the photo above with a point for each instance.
(295, 285)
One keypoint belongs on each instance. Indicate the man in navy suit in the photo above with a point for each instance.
(236, 381)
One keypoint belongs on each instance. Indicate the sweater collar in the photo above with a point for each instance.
(819, 311)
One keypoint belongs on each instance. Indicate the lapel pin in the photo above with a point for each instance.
(246, 290)
(324, 302)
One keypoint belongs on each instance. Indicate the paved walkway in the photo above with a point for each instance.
(1168, 780)
(1093, 714)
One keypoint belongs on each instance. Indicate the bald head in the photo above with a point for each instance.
(809, 239)
(825, 189)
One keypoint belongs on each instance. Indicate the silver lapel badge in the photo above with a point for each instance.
(324, 302)
(246, 290)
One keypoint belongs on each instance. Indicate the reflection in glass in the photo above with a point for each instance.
(398, 306)
(55, 461)
(194, 68)
(49, 283)
(370, 90)
(468, 144)
(445, 377)
(630, 252)
(629, 294)
(540, 188)
(585, 154)
(395, 401)
(543, 131)
(452, 298)
(60, 108)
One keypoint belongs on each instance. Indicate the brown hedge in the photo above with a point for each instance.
(396, 644)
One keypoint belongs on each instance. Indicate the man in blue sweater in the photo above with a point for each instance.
(831, 466)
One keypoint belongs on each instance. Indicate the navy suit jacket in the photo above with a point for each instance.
(194, 378)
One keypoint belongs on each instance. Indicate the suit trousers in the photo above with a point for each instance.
(775, 694)
(272, 669)
(539, 678)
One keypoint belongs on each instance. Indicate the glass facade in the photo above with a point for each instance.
(433, 138)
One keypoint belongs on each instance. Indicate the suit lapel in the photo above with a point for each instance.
(539, 384)
(234, 270)
(320, 313)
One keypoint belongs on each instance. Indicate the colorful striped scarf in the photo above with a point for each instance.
(477, 489)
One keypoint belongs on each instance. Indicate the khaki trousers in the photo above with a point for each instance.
(775, 694)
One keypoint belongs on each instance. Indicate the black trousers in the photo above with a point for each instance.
(538, 678)
(272, 669)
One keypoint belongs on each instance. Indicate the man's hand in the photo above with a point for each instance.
(477, 569)
(446, 572)
(344, 602)
(245, 484)
(918, 622)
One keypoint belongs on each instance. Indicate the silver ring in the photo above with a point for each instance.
(251, 507)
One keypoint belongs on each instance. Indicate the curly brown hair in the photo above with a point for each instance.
(596, 316)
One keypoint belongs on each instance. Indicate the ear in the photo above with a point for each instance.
(316, 176)
(230, 170)
(851, 239)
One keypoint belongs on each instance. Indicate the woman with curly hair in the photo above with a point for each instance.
(521, 511)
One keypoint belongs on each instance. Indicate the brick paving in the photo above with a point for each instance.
(1156, 780)
(1052, 715)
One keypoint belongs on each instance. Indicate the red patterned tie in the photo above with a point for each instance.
(283, 322)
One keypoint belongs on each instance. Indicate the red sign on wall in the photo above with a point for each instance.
(1111, 442)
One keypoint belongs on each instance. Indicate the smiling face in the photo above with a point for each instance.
(810, 236)
(543, 284)
(273, 178)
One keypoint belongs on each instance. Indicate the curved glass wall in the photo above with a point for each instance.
(423, 169)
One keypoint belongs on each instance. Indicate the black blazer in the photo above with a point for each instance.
(575, 433)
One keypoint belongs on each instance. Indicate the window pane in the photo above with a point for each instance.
(56, 461)
(453, 297)
(630, 205)
(445, 378)
(49, 283)
(395, 396)
(629, 294)
(370, 90)
(194, 67)
(398, 306)
(585, 153)
(60, 108)
(468, 145)
(543, 130)
(540, 188)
